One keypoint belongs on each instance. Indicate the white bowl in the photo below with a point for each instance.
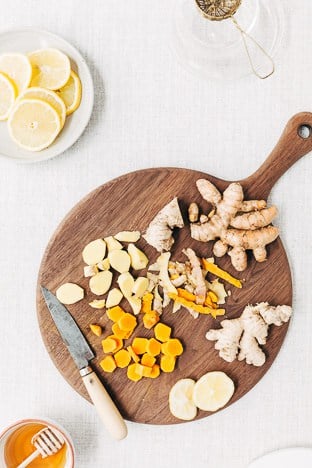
(70, 451)
(27, 40)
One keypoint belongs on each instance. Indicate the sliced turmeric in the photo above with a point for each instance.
(167, 363)
(139, 369)
(186, 294)
(122, 334)
(133, 355)
(122, 358)
(172, 348)
(153, 347)
(148, 360)
(112, 344)
(139, 345)
(115, 313)
(108, 364)
(215, 270)
(127, 322)
(96, 329)
(162, 331)
(213, 296)
(155, 372)
(147, 371)
(147, 300)
(150, 319)
(131, 373)
(197, 307)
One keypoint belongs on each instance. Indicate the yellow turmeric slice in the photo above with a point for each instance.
(155, 372)
(139, 369)
(147, 371)
(153, 347)
(209, 303)
(133, 355)
(147, 300)
(148, 360)
(108, 364)
(162, 331)
(139, 345)
(131, 373)
(167, 363)
(122, 358)
(213, 296)
(186, 294)
(197, 307)
(127, 322)
(96, 329)
(150, 319)
(173, 347)
(115, 313)
(112, 344)
(122, 334)
(215, 270)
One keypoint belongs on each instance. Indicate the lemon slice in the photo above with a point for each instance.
(34, 124)
(180, 400)
(51, 68)
(18, 68)
(71, 93)
(7, 96)
(212, 391)
(49, 96)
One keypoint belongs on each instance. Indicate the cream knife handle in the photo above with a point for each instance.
(104, 405)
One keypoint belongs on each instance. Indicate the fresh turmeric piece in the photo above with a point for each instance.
(133, 355)
(131, 373)
(122, 334)
(108, 364)
(153, 347)
(217, 271)
(172, 347)
(139, 369)
(96, 329)
(167, 363)
(150, 319)
(112, 344)
(147, 300)
(186, 294)
(139, 345)
(115, 313)
(127, 322)
(213, 296)
(147, 371)
(148, 360)
(197, 307)
(155, 372)
(122, 358)
(162, 331)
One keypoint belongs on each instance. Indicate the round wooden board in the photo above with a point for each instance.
(129, 203)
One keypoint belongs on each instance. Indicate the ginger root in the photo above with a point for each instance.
(159, 231)
(241, 337)
(238, 224)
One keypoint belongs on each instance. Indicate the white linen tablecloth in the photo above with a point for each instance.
(149, 111)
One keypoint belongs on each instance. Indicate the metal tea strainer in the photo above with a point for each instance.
(218, 10)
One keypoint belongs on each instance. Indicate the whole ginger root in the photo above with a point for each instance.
(241, 337)
(236, 224)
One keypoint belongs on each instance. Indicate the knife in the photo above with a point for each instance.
(82, 354)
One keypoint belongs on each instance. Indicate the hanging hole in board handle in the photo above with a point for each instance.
(305, 131)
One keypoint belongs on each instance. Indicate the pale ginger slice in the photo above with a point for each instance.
(94, 252)
(101, 282)
(103, 264)
(90, 270)
(112, 243)
(126, 283)
(227, 338)
(135, 303)
(119, 260)
(69, 293)
(114, 297)
(157, 301)
(159, 231)
(252, 205)
(197, 274)
(139, 260)
(97, 304)
(163, 263)
(140, 286)
(255, 219)
(128, 236)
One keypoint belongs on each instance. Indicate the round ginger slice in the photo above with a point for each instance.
(213, 391)
(101, 282)
(94, 252)
(69, 293)
(181, 402)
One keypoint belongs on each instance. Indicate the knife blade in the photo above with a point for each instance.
(82, 354)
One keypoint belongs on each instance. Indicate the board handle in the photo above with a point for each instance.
(295, 142)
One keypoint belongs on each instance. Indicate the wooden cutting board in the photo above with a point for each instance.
(129, 203)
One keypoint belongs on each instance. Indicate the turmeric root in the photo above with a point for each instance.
(159, 231)
(241, 337)
(215, 270)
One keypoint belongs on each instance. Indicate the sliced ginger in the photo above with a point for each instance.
(97, 304)
(140, 286)
(139, 260)
(108, 364)
(114, 297)
(119, 260)
(69, 293)
(135, 303)
(126, 283)
(101, 282)
(128, 236)
(94, 252)
(112, 243)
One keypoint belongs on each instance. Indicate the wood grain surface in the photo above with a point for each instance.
(129, 203)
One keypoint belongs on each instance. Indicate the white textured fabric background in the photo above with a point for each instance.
(149, 111)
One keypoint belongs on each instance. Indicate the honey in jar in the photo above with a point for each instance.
(18, 447)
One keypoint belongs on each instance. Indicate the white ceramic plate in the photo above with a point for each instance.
(32, 39)
(297, 457)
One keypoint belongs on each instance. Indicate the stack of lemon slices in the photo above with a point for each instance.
(37, 92)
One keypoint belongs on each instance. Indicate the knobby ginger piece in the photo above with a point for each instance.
(94, 252)
(114, 297)
(119, 260)
(101, 282)
(69, 293)
(97, 304)
(112, 244)
(139, 260)
(126, 283)
(128, 236)
(159, 231)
